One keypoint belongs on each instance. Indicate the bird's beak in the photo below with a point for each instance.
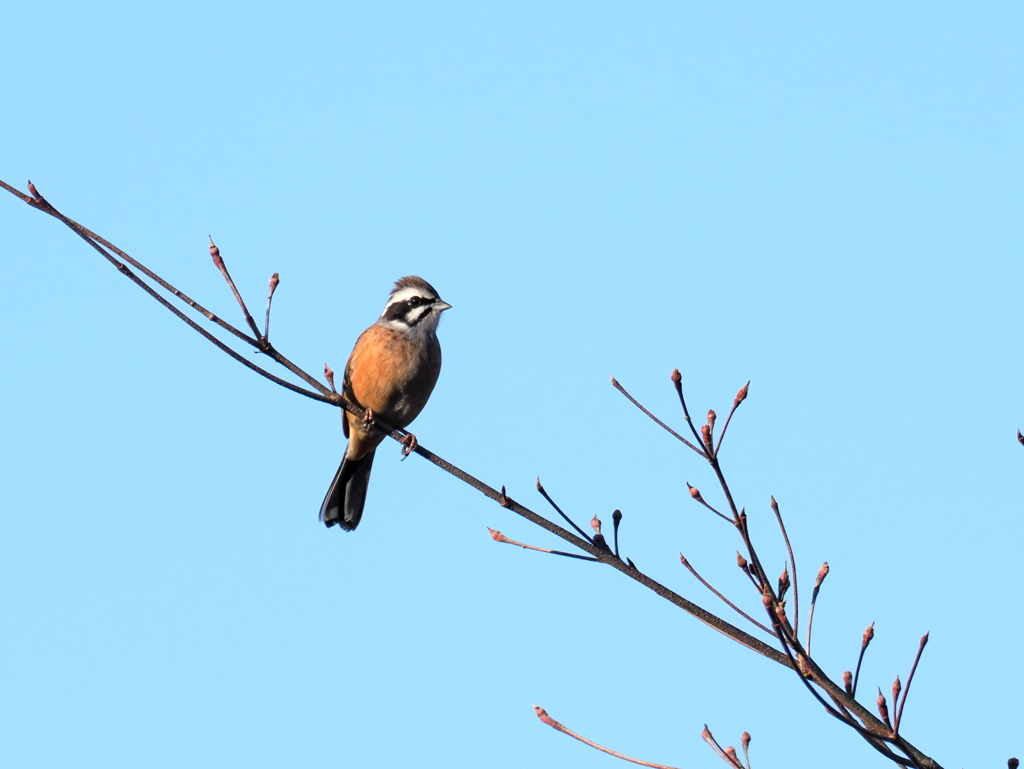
(442, 306)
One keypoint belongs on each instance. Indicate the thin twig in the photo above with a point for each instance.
(568, 520)
(616, 520)
(695, 493)
(545, 718)
(497, 536)
(275, 280)
(740, 397)
(677, 381)
(910, 680)
(219, 261)
(756, 569)
(822, 573)
(725, 600)
(869, 633)
(792, 563)
(636, 403)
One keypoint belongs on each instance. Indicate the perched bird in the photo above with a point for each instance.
(391, 373)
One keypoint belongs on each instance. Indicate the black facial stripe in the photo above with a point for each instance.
(404, 311)
(416, 314)
(396, 311)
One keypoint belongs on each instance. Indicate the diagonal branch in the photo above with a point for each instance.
(802, 663)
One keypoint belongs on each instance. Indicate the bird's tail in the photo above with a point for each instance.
(347, 495)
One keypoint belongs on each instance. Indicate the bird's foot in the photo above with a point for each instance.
(368, 419)
(409, 444)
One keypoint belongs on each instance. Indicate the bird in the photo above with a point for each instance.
(391, 372)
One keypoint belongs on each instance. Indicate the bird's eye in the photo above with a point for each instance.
(416, 301)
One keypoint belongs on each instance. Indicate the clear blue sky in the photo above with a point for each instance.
(824, 200)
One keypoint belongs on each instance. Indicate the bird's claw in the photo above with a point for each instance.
(409, 444)
(368, 419)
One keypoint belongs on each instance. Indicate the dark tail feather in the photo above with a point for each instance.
(347, 495)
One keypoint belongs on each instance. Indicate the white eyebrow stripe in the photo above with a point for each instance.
(407, 293)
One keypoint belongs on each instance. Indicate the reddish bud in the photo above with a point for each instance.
(497, 536)
(896, 688)
(539, 487)
(730, 751)
(742, 394)
(504, 501)
(822, 573)
(35, 193)
(712, 416)
(883, 708)
(275, 281)
(741, 561)
(784, 580)
(745, 739)
(595, 524)
(543, 716)
(868, 635)
(694, 493)
(775, 506)
(329, 376)
(215, 253)
(677, 378)
(705, 434)
(848, 681)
